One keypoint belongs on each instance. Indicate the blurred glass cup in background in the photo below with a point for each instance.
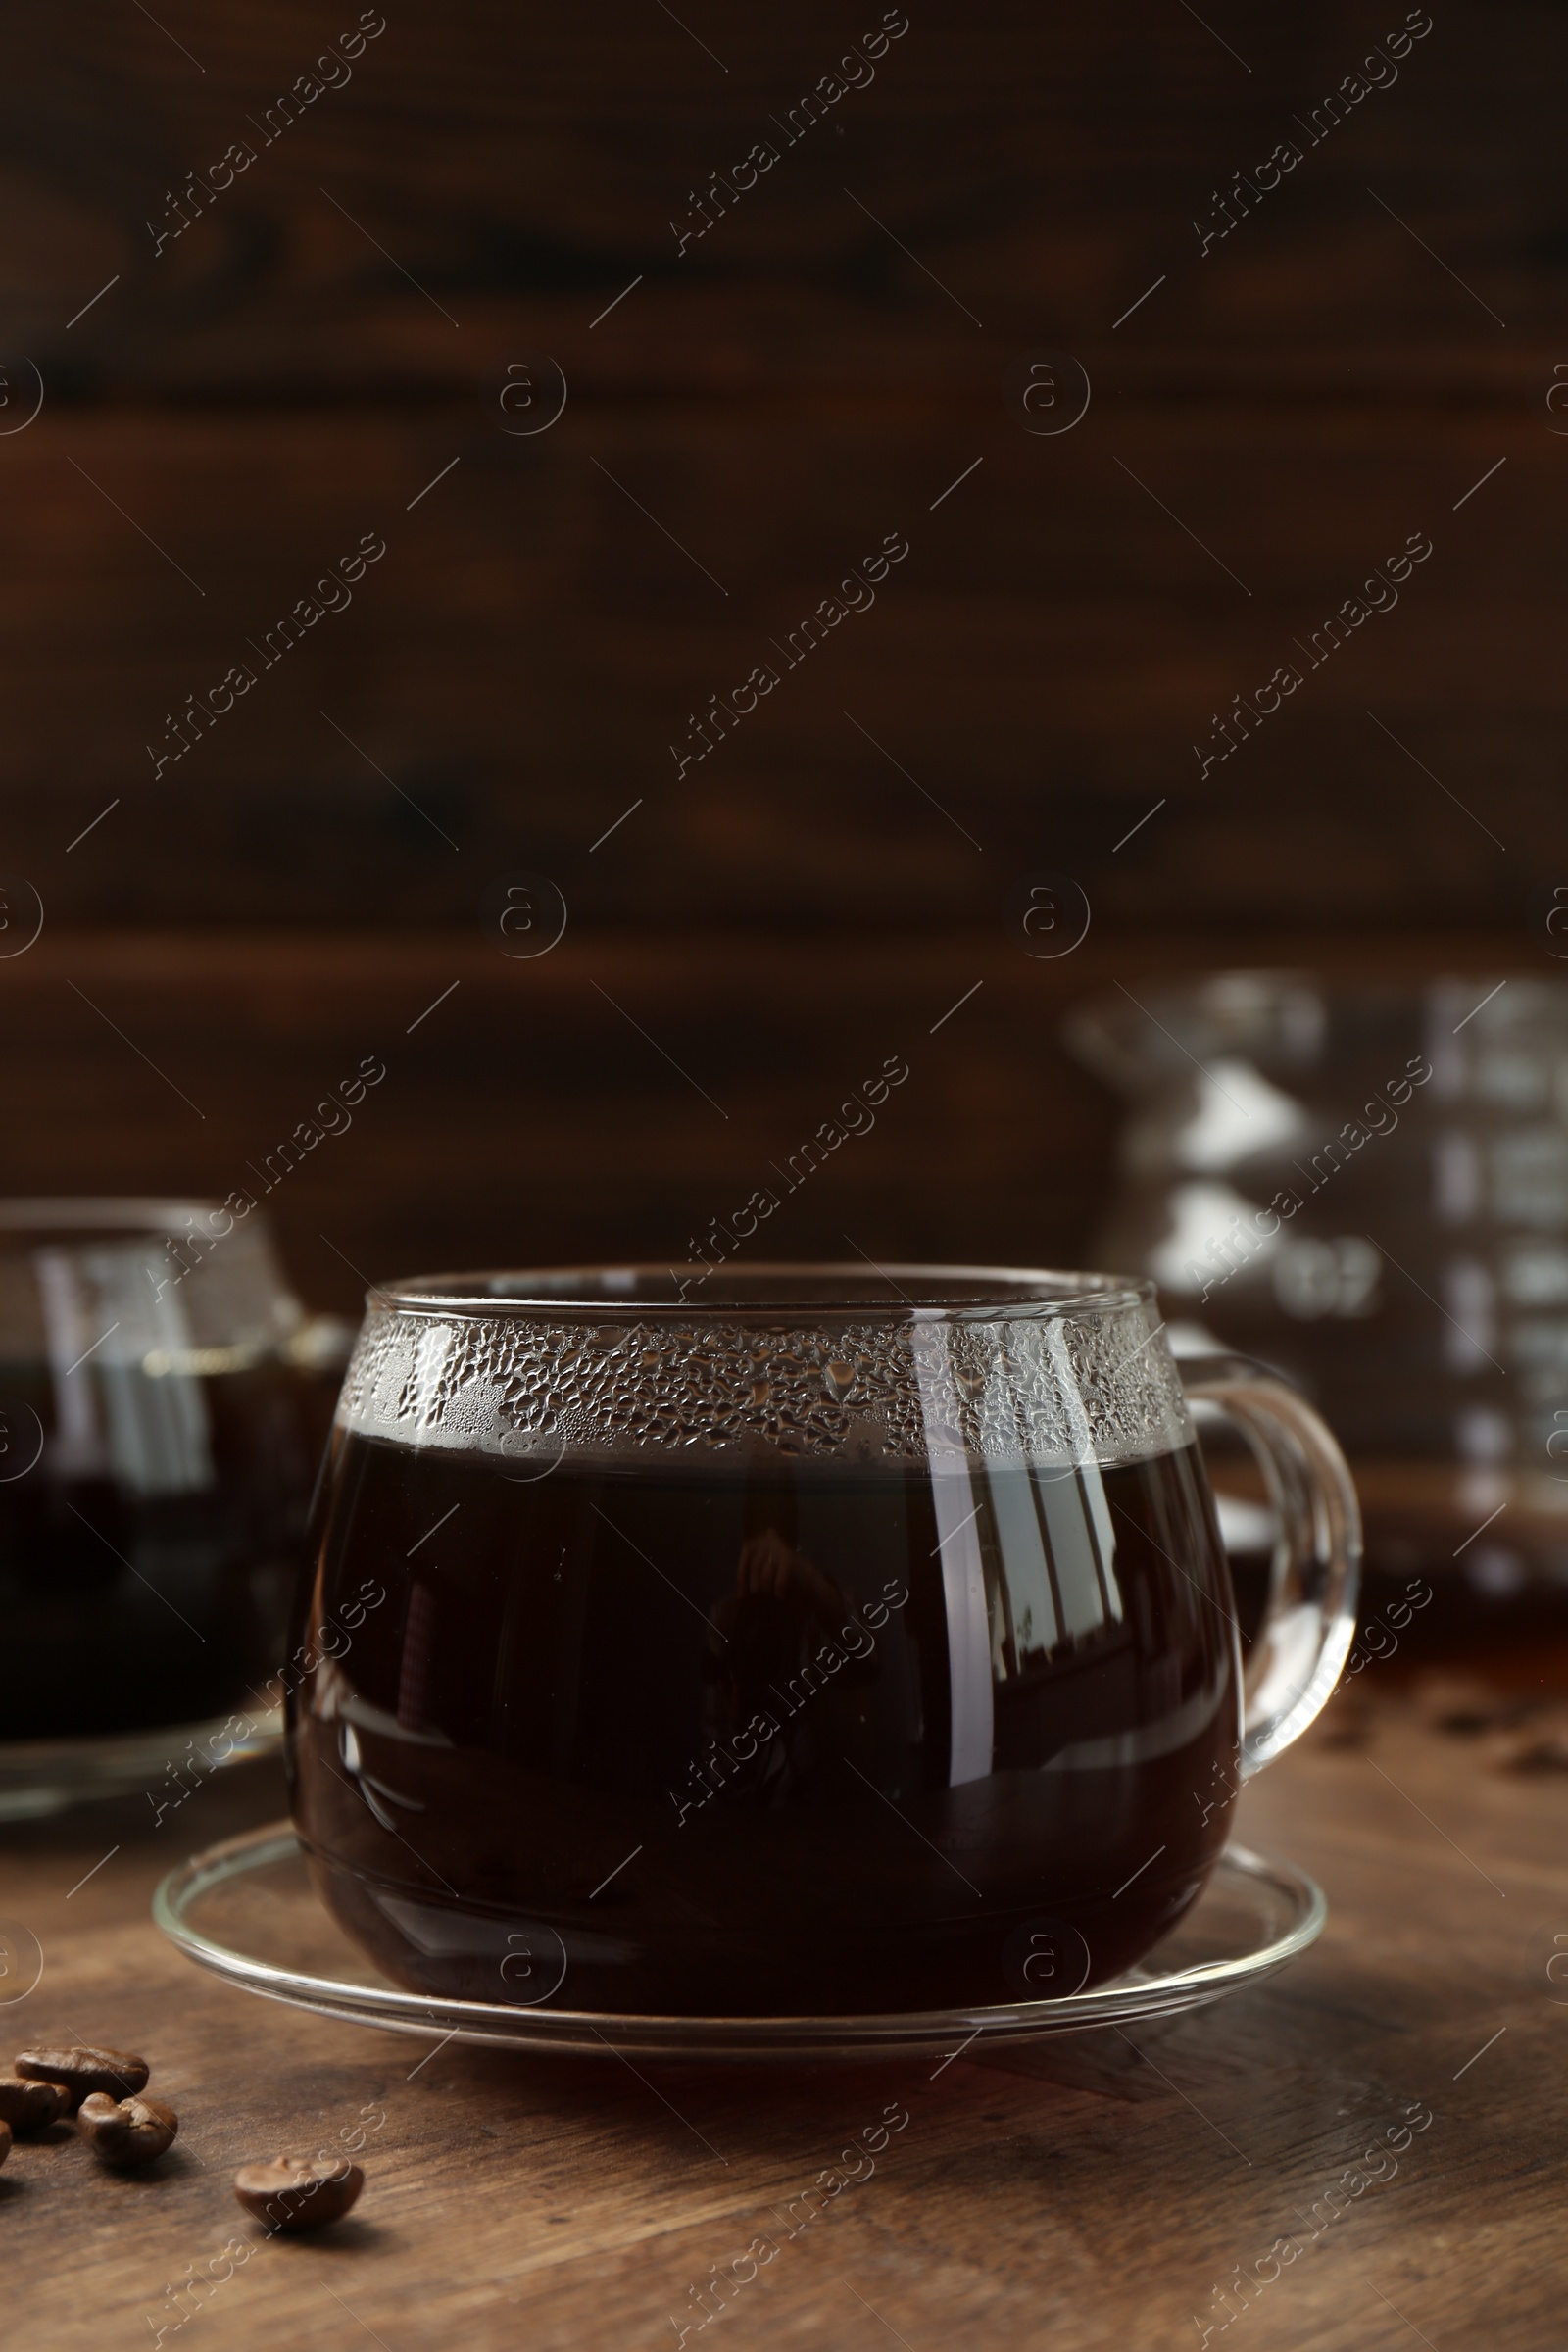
(161, 1411)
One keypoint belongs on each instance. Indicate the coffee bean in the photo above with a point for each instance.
(5, 2141)
(127, 2131)
(298, 2192)
(86, 2069)
(31, 2106)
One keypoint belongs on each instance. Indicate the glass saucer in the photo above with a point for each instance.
(38, 1776)
(246, 1909)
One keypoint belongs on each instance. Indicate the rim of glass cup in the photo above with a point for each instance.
(108, 1213)
(769, 1290)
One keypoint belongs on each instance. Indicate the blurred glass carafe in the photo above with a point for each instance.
(155, 1465)
(1368, 1187)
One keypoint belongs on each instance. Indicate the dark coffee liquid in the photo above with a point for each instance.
(145, 1578)
(798, 1739)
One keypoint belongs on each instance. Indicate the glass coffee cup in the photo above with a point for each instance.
(791, 1642)
(157, 1449)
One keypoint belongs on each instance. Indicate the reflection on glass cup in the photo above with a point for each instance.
(861, 1645)
(155, 1464)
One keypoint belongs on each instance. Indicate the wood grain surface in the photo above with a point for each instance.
(225, 412)
(1043, 165)
(609, 1099)
(1096, 2191)
(512, 683)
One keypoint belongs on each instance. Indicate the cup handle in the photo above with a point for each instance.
(1309, 1622)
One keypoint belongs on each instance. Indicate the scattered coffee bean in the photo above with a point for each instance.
(1464, 1702)
(31, 2106)
(1538, 1744)
(298, 2192)
(115, 2073)
(5, 2141)
(126, 2132)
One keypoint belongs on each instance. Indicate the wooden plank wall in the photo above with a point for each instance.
(315, 358)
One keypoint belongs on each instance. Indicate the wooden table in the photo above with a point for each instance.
(1085, 2193)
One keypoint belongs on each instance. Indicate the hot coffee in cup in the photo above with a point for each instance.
(807, 1644)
